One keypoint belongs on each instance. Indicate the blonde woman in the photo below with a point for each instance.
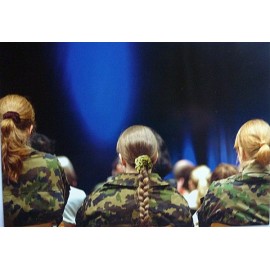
(243, 199)
(136, 197)
(35, 189)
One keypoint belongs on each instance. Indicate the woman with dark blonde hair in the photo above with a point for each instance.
(244, 198)
(136, 197)
(35, 189)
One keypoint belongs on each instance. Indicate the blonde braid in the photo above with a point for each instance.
(143, 164)
(143, 197)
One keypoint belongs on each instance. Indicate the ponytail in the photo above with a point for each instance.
(254, 138)
(17, 117)
(14, 149)
(263, 155)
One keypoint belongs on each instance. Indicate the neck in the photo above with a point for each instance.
(130, 169)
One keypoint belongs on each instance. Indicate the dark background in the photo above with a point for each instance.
(185, 87)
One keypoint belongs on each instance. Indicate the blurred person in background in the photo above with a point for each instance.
(181, 172)
(222, 171)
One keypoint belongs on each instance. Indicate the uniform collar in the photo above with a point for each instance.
(254, 169)
(131, 180)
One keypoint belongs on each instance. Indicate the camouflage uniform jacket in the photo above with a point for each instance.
(40, 194)
(242, 199)
(115, 204)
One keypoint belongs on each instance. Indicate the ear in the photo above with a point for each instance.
(31, 129)
(124, 163)
(241, 155)
(155, 159)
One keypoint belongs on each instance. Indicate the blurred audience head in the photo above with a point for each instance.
(42, 143)
(199, 176)
(222, 171)
(181, 172)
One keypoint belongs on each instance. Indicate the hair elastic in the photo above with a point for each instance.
(143, 161)
(12, 115)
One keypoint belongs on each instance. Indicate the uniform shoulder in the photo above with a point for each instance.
(227, 180)
(41, 159)
(38, 154)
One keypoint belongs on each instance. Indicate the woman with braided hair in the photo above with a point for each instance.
(136, 197)
(244, 198)
(35, 188)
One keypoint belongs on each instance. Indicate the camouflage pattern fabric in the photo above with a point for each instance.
(115, 204)
(40, 194)
(239, 200)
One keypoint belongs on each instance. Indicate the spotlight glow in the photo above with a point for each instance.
(99, 77)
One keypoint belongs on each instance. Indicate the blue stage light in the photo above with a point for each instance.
(188, 150)
(100, 80)
(220, 147)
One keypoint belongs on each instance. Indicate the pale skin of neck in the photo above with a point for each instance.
(242, 157)
(130, 169)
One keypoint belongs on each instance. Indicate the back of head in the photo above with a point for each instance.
(222, 171)
(42, 143)
(200, 175)
(138, 147)
(253, 139)
(136, 141)
(17, 120)
(182, 169)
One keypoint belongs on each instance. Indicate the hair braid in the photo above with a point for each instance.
(139, 149)
(143, 197)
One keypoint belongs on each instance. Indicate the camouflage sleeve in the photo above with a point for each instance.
(210, 207)
(170, 208)
(63, 184)
(182, 211)
(204, 219)
(84, 216)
